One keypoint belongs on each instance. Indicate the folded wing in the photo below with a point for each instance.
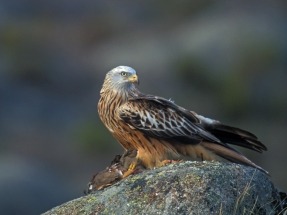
(163, 119)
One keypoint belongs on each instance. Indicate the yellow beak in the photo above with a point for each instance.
(134, 79)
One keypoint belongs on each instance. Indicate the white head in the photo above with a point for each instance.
(121, 78)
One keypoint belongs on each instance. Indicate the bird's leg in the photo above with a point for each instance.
(131, 169)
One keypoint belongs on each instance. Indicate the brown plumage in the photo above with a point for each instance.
(161, 130)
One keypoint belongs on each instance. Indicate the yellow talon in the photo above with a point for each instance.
(130, 170)
(132, 166)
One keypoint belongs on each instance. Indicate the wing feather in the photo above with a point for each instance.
(232, 135)
(161, 118)
(238, 137)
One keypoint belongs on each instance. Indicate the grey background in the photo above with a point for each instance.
(226, 61)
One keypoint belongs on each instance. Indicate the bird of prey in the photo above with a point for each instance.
(162, 131)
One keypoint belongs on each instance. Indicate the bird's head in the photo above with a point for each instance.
(121, 77)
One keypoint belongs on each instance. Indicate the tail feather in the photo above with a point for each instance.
(237, 136)
(230, 154)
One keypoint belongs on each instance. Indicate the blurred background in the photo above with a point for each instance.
(223, 60)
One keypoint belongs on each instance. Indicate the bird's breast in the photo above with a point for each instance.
(107, 106)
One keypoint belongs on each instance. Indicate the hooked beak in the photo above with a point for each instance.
(134, 79)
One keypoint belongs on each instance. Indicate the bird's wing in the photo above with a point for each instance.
(232, 135)
(161, 118)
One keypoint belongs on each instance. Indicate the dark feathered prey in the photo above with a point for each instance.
(115, 172)
(160, 130)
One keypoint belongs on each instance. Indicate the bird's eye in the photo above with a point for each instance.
(124, 73)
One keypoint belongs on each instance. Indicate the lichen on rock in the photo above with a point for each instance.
(183, 188)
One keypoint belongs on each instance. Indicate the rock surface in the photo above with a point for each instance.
(183, 188)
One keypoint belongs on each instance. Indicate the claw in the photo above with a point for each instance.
(131, 169)
(167, 162)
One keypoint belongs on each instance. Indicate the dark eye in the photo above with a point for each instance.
(124, 73)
